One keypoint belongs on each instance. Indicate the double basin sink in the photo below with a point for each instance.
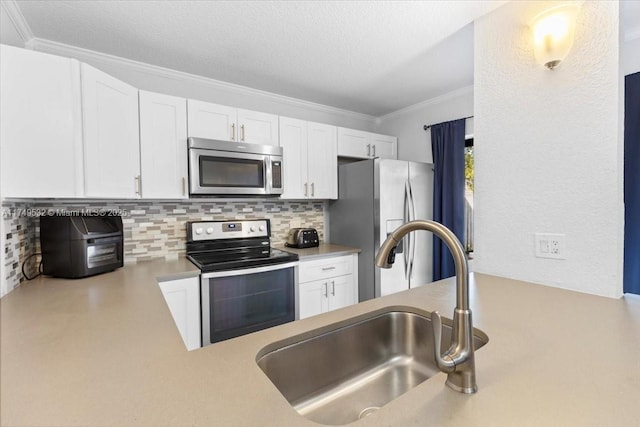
(346, 371)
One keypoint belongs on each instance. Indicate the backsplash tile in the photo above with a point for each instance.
(20, 242)
(152, 229)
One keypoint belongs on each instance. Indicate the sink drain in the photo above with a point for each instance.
(368, 411)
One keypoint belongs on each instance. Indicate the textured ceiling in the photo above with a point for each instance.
(373, 57)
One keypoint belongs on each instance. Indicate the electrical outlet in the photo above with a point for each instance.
(550, 246)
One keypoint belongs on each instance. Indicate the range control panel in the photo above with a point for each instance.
(217, 230)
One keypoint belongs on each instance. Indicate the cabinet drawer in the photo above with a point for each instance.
(325, 267)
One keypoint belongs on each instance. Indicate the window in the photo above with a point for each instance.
(468, 194)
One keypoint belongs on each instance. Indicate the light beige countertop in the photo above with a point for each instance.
(324, 250)
(105, 351)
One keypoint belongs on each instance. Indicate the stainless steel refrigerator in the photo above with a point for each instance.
(374, 198)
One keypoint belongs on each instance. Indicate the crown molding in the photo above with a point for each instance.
(429, 102)
(17, 19)
(99, 57)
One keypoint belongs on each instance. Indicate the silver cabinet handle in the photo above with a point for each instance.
(138, 184)
(374, 151)
(328, 268)
(333, 288)
(326, 289)
(233, 131)
(184, 186)
(305, 189)
(368, 150)
(313, 189)
(242, 133)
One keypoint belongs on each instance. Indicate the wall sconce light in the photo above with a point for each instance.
(553, 33)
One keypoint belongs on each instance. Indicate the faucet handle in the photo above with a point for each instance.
(445, 363)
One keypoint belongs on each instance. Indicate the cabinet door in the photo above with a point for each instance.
(293, 140)
(257, 128)
(212, 121)
(354, 143)
(384, 146)
(312, 298)
(111, 135)
(183, 298)
(341, 291)
(322, 161)
(163, 146)
(41, 125)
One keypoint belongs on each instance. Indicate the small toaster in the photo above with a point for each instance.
(302, 238)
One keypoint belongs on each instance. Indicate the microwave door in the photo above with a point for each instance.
(227, 173)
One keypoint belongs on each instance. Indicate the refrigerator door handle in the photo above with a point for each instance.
(412, 243)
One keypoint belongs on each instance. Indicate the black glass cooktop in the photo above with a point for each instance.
(239, 259)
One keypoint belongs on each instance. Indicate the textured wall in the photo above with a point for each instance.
(151, 229)
(548, 156)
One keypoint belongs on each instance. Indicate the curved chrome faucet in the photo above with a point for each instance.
(458, 361)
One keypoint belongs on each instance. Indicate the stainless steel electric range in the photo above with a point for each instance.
(245, 285)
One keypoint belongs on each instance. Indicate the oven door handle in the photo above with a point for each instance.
(261, 269)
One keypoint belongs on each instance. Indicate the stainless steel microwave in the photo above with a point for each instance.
(228, 168)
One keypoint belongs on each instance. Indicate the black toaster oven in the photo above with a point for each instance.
(80, 246)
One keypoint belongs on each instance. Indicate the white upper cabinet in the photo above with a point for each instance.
(354, 143)
(293, 140)
(322, 165)
(41, 125)
(255, 127)
(384, 146)
(366, 145)
(111, 136)
(310, 161)
(163, 146)
(213, 121)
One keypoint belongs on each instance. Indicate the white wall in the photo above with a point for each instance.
(631, 56)
(163, 80)
(407, 124)
(548, 153)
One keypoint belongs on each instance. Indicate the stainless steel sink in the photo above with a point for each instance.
(343, 372)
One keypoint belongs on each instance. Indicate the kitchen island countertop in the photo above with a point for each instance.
(104, 351)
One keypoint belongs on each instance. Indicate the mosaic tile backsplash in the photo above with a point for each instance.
(152, 229)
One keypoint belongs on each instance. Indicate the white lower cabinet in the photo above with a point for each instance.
(183, 298)
(327, 284)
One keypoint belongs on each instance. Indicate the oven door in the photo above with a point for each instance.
(228, 173)
(238, 302)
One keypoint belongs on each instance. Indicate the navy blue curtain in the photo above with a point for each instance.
(447, 145)
(632, 184)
